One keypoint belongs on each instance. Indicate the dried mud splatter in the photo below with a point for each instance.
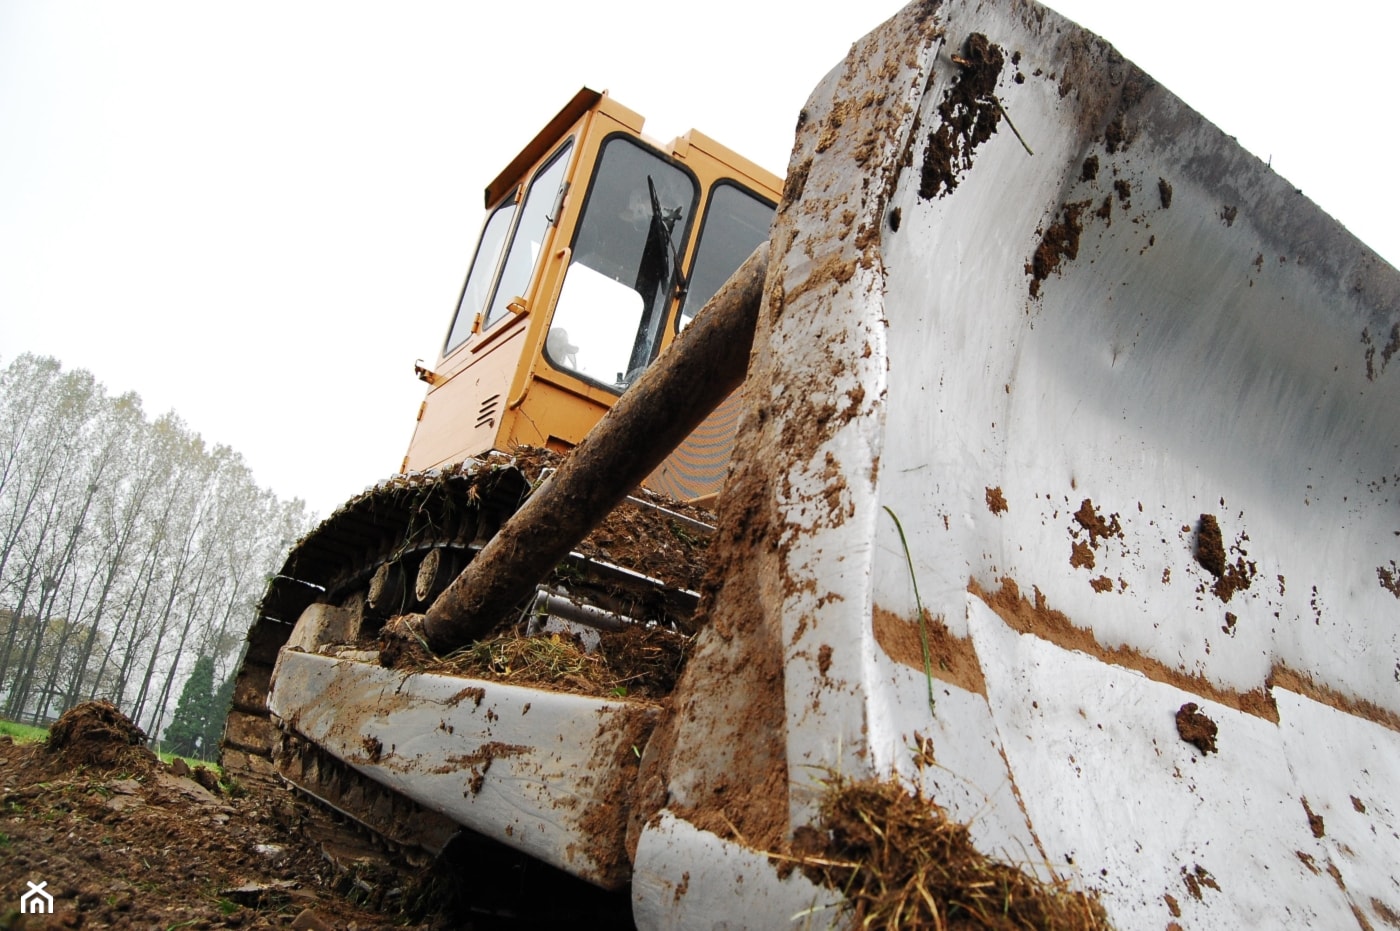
(1390, 578)
(1196, 728)
(1198, 878)
(969, 114)
(1316, 824)
(1283, 677)
(952, 659)
(1391, 347)
(1039, 619)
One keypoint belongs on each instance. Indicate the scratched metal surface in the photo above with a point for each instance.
(1064, 369)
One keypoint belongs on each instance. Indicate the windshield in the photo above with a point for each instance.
(624, 271)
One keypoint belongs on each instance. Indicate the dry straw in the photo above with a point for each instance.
(901, 863)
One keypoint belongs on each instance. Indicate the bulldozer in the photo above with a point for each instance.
(1052, 444)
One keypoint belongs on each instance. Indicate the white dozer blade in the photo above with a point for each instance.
(1132, 398)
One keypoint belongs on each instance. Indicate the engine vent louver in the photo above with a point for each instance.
(486, 417)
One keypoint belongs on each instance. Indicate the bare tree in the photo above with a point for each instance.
(127, 547)
(43, 536)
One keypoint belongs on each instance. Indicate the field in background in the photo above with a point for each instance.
(25, 733)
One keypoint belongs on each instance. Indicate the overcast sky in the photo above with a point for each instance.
(259, 214)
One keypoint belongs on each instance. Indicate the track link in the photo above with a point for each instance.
(398, 523)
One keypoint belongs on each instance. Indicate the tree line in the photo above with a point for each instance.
(132, 555)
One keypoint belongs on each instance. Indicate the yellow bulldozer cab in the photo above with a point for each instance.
(598, 246)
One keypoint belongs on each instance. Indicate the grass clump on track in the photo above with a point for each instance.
(634, 662)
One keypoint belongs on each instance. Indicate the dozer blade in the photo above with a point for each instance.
(1068, 495)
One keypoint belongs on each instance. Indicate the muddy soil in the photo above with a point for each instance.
(121, 840)
(653, 542)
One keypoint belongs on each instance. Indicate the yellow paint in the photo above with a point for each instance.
(497, 389)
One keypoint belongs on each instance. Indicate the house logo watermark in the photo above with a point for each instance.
(37, 901)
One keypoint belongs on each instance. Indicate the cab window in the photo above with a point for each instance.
(535, 220)
(735, 222)
(623, 273)
(483, 270)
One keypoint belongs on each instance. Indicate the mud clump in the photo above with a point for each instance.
(1092, 521)
(1210, 546)
(969, 115)
(97, 734)
(1058, 243)
(1081, 551)
(996, 501)
(402, 643)
(1211, 554)
(902, 863)
(1195, 728)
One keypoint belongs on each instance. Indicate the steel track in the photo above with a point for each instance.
(361, 826)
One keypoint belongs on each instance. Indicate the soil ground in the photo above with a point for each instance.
(121, 840)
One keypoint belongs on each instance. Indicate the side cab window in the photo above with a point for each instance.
(736, 220)
(481, 274)
(495, 279)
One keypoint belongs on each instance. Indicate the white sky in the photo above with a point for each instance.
(260, 213)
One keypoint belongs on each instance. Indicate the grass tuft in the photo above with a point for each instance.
(631, 663)
(901, 863)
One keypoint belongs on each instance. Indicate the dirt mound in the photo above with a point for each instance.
(141, 845)
(97, 734)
